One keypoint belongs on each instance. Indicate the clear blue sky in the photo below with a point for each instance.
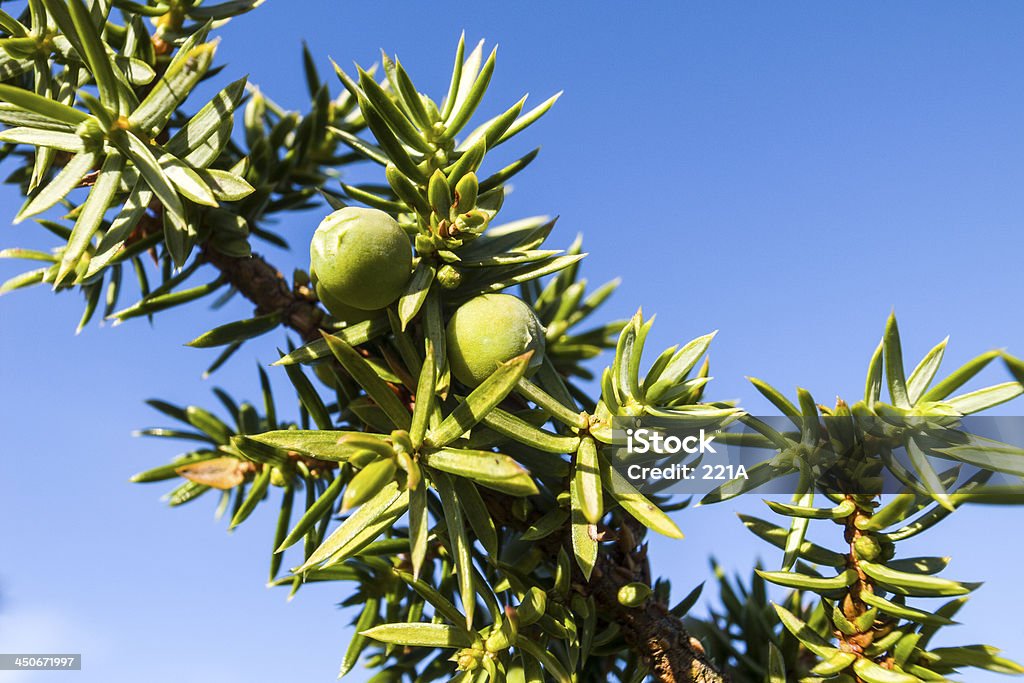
(786, 173)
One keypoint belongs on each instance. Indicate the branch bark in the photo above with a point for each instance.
(653, 632)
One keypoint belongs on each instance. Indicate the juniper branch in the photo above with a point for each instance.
(655, 634)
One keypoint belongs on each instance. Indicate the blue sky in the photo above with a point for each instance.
(786, 174)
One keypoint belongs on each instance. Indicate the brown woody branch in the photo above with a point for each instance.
(651, 630)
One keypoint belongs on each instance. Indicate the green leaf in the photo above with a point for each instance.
(456, 81)
(185, 72)
(903, 611)
(978, 656)
(636, 504)
(681, 364)
(395, 119)
(410, 96)
(925, 371)
(425, 398)
(779, 401)
(777, 536)
(418, 528)
(873, 384)
(983, 399)
(812, 583)
(314, 514)
(154, 304)
(528, 119)
(480, 401)
(112, 242)
(321, 444)
(237, 331)
(419, 285)
(226, 186)
(223, 10)
(797, 527)
(998, 457)
(776, 665)
(547, 659)
(355, 335)
(468, 163)
(187, 182)
(367, 619)
(546, 525)
(958, 378)
(91, 214)
(26, 279)
(900, 508)
(873, 673)
(840, 511)
(421, 635)
(504, 278)
(905, 583)
(542, 399)
(174, 211)
(493, 470)
(476, 514)
(342, 540)
(441, 604)
(76, 22)
(926, 472)
(468, 99)
(259, 452)
(364, 374)
(525, 433)
(461, 549)
(492, 129)
(588, 480)
(67, 180)
(367, 482)
(804, 633)
(583, 532)
(21, 135)
(923, 565)
(207, 123)
(893, 354)
(309, 397)
(256, 494)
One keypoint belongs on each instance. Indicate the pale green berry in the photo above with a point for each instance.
(362, 258)
(492, 329)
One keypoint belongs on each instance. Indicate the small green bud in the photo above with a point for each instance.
(492, 329)
(466, 192)
(498, 640)
(91, 132)
(634, 594)
(468, 659)
(367, 482)
(867, 548)
(439, 194)
(448, 277)
(361, 258)
(279, 478)
(532, 607)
